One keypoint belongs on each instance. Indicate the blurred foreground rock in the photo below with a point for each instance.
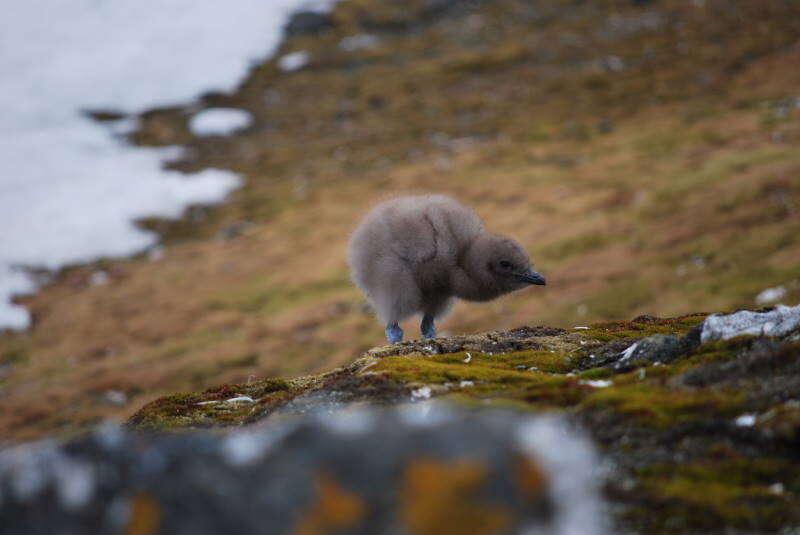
(423, 469)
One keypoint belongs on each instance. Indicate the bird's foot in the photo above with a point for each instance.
(394, 333)
(427, 327)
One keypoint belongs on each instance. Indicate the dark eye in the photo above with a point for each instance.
(505, 264)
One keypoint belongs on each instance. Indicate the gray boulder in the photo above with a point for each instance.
(423, 469)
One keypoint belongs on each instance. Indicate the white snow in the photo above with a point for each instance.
(467, 359)
(70, 189)
(597, 383)
(771, 295)
(219, 121)
(776, 322)
(294, 61)
(581, 327)
(466, 384)
(746, 420)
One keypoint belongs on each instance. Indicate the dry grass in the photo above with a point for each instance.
(657, 189)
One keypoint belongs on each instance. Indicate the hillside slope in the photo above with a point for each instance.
(646, 153)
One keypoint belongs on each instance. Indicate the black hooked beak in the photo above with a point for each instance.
(531, 277)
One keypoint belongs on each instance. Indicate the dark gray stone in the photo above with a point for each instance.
(648, 351)
(352, 472)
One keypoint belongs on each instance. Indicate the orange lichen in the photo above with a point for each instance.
(439, 498)
(530, 478)
(145, 516)
(335, 508)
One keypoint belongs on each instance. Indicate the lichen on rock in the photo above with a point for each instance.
(435, 470)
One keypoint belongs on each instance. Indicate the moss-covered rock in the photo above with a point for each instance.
(704, 435)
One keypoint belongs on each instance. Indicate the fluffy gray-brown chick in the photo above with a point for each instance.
(416, 254)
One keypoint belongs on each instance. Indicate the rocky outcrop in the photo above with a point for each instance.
(695, 434)
(425, 470)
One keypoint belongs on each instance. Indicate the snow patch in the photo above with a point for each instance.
(746, 420)
(70, 189)
(777, 322)
(771, 295)
(294, 61)
(597, 383)
(219, 121)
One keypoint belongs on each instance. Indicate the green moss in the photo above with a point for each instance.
(720, 351)
(596, 373)
(660, 407)
(211, 408)
(439, 371)
(492, 369)
(625, 330)
(735, 493)
(551, 392)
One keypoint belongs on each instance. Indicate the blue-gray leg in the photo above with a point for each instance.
(427, 327)
(394, 333)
